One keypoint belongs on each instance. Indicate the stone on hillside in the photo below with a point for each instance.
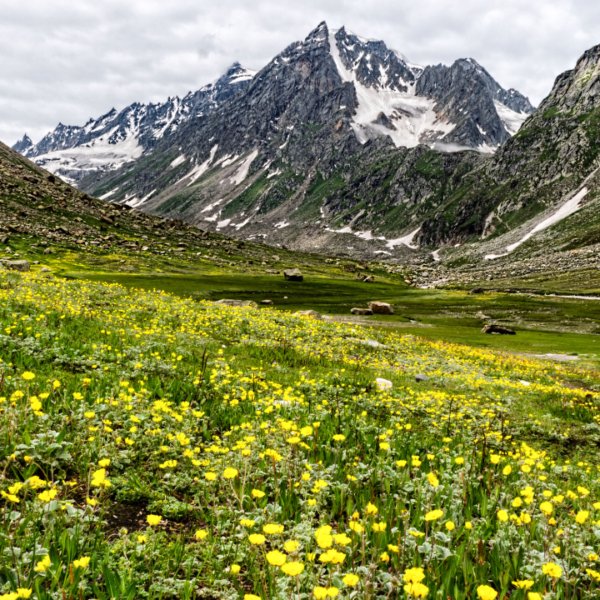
(476, 291)
(381, 308)
(497, 329)
(266, 302)
(293, 275)
(369, 279)
(272, 271)
(421, 377)
(480, 315)
(17, 265)
(3, 239)
(383, 384)
(46, 270)
(349, 268)
(48, 251)
(310, 313)
(237, 303)
(361, 311)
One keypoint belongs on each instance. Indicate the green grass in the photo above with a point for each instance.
(544, 325)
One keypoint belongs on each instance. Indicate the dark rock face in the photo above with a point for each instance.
(361, 311)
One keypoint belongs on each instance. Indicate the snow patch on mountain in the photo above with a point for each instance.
(243, 169)
(511, 119)
(412, 117)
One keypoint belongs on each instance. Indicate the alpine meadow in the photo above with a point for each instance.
(327, 329)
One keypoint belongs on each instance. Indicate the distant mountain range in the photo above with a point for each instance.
(117, 138)
(341, 144)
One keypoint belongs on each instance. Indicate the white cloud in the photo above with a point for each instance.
(68, 61)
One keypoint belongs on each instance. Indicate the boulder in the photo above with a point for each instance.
(349, 268)
(238, 303)
(293, 275)
(48, 251)
(369, 279)
(266, 302)
(46, 270)
(421, 377)
(361, 311)
(476, 291)
(310, 313)
(381, 308)
(17, 265)
(497, 329)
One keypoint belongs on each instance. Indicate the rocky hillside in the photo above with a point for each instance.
(116, 138)
(335, 144)
(546, 164)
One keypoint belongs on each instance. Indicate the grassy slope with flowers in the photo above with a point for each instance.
(156, 447)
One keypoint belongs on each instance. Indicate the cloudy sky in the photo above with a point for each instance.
(66, 61)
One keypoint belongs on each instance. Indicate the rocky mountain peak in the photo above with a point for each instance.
(373, 63)
(23, 145)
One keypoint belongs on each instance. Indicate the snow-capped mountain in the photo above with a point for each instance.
(336, 134)
(445, 107)
(117, 138)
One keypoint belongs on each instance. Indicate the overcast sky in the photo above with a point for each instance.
(66, 61)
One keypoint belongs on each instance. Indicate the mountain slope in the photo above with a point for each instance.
(541, 168)
(308, 129)
(116, 138)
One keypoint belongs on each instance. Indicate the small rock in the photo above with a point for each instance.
(310, 313)
(497, 329)
(349, 268)
(266, 302)
(369, 279)
(46, 270)
(383, 384)
(476, 291)
(381, 308)
(361, 311)
(293, 275)
(480, 315)
(421, 377)
(17, 265)
(272, 271)
(237, 303)
(48, 251)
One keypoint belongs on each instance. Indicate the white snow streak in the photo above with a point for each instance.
(567, 209)
(243, 169)
(407, 240)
